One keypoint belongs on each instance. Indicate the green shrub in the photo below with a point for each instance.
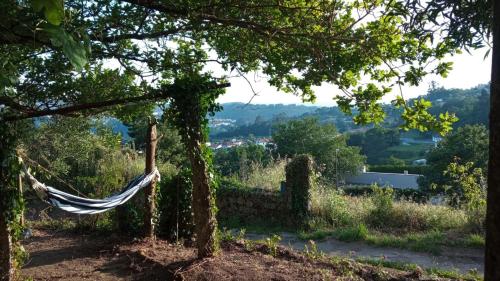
(382, 199)
(331, 207)
(355, 233)
(175, 217)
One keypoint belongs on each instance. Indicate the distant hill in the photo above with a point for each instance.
(248, 113)
(470, 105)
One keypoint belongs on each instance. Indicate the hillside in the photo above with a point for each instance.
(248, 113)
(465, 103)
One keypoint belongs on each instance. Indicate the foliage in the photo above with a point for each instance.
(382, 199)
(11, 201)
(413, 195)
(333, 209)
(466, 144)
(174, 206)
(297, 45)
(189, 116)
(468, 104)
(272, 244)
(244, 113)
(238, 160)
(169, 147)
(263, 177)
(355, 233)
(300, 181)
(374, 141)
(471, 185)
(322, 142)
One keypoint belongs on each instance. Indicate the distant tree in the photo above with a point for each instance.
(323, 142)
(169, 148)
(375, 141)
(237, 160)
(468, 144)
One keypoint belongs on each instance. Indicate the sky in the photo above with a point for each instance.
(468, 71)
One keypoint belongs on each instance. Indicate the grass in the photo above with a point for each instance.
(265, 177)
(429, 241)
(378, 219)
(438, 272)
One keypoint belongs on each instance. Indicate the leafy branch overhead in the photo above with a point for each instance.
(296, 44)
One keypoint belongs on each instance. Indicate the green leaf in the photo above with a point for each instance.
(52, 9)
(75, 51)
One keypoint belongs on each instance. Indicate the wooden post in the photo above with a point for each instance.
(149, 191)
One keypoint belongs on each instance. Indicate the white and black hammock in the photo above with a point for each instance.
(80, 205)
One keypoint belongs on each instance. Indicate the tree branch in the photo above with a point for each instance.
(30, 113)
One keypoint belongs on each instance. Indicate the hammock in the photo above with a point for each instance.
(80, 205)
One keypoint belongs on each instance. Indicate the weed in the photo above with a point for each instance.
(312, 251)
(349, 234)
(272, 244)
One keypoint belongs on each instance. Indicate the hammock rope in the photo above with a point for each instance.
(80, 205)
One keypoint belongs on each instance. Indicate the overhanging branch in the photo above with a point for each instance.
(94, 105)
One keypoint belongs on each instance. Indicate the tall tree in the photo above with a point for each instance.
(492, 262)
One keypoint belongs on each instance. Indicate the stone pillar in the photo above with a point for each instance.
(299, 182)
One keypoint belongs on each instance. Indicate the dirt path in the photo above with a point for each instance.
(462, 260)
(73, 257)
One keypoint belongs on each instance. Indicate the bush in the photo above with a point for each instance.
(175, 217)
(331, 207)
(382, 199)
(349, 234)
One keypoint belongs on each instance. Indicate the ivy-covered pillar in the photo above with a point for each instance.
(299, 182)
(11, 206)
(192, 99)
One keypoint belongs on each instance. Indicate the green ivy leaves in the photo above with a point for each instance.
(52, 9)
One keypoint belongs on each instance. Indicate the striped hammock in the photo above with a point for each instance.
(80, 205)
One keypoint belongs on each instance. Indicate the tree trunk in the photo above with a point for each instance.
(203, 203)
(492, 255)
(149, 190)
(6, 270)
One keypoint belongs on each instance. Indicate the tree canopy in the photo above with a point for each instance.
(322, 141)
(296, 44)
(468, 144)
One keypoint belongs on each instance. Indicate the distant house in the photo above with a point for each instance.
(394, 180)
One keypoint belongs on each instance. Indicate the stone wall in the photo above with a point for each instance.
(288, 208)
(252, 205)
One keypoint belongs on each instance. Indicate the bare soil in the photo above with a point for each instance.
(69, 256)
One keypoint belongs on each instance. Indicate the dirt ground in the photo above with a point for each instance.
(70, 256)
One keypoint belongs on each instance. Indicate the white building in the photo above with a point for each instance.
(394, 180)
